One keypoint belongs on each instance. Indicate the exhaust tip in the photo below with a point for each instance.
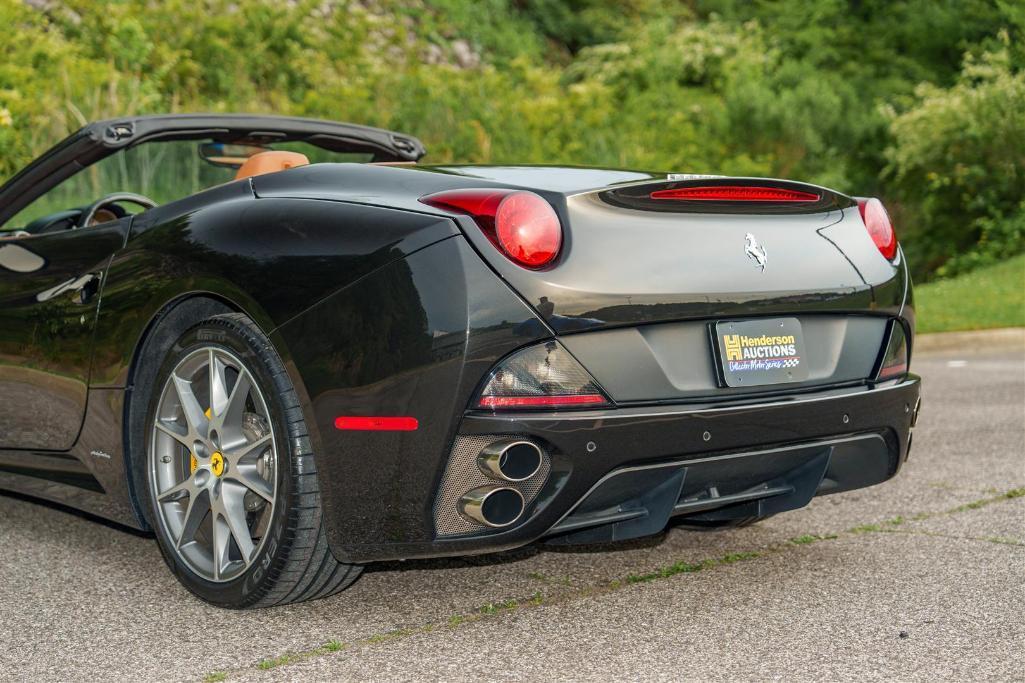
(493, 507)
(510, 460)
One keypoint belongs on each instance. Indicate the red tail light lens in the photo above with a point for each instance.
(528, 229)
(521, 224)
(735, 193)
(545, 376)
(879, 227)
(499, 402)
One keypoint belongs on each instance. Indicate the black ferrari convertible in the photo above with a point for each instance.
(289, 350)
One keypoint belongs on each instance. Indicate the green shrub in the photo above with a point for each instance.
(958, 161)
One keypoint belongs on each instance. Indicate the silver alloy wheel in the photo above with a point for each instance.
(213, 464)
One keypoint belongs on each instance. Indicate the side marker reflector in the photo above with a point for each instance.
(377, 424)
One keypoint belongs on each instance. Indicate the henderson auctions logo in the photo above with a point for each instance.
(750, 353)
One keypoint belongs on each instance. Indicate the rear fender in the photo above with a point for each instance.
(414, 339)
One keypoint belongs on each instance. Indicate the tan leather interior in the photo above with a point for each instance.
(270, 162)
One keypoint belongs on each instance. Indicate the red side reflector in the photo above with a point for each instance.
(735, 193)
(540, 401)
(377, 424)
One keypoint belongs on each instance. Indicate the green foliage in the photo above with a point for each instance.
(958, 158)
(575, 24)
(992, 296)
(916, 101)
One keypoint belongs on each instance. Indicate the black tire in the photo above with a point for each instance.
(294, 562)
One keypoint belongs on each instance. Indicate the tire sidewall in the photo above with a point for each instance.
(264, 366)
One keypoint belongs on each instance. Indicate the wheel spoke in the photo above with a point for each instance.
(246, 475)
(190, 405)
(165, 427)
(194, 514)
(220, 546)
(232, 418)
(233, 501)
(238, 454)
(174, 493)
(237, 400)
(218, 384)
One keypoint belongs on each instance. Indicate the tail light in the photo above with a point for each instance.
(735, 193)
(895, 358)
(543, 376)
(521, 224)
(877, 222)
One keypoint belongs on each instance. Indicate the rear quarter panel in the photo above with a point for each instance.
(272, 259)
(414, 338)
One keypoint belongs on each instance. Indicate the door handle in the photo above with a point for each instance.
(82, 289)
(89, 288)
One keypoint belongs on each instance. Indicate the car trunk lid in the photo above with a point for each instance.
(630, 258)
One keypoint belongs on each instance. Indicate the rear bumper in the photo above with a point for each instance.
(855, 437)
(635, 501)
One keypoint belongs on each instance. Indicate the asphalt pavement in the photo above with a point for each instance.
(920, 578)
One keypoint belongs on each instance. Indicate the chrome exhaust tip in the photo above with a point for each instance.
(493, 507)
(510, 460)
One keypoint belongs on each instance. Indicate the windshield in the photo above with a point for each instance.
(161, 171)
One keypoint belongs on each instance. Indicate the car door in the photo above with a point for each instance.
(49, 297)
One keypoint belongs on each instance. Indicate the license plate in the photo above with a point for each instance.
(758, 352)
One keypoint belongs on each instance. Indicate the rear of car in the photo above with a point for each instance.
(722, 350)
(582, 355)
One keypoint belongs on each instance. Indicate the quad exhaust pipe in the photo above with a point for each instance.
(492, 506)
(512, 460)
(509, 461)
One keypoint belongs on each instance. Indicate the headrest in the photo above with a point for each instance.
(270, 162)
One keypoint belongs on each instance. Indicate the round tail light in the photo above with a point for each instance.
(880, 229)
(523, 226)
